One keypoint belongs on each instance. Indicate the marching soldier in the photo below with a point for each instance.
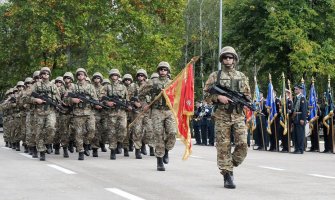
(117, 119)
(83, 117)
(59, 83)
(45, 114)
(229, 118)
(162, 117)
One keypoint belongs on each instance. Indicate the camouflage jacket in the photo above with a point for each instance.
(231, 78)
(152, 89)
(116, 89)
(45, 88)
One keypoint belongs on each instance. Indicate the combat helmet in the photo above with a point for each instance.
(228, 50)
(20, 83)
(127, 76)
(68, 74)
(142, 71)
(114, 71)
(59, 78)
(97, 74)
(81, 70)
(28, 80)
(163, 64)
(45, 69)
(106, 81)
(36, 73)
(154, 75)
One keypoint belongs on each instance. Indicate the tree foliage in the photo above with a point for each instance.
(96, 35)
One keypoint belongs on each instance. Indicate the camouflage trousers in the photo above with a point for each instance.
(84, 128)
(117, 127)
(63, 129)
(224, 125)
(57, 132)
(6, 122)
(99, 131)
(45, 130)
(165, 127)
(30, 129)
(143, 131)
(23, 129)
(16, 129)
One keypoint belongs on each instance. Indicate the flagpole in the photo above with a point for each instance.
(220, 33)
(289, 128)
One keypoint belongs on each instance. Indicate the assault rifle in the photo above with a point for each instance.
(118, 101)
(86, 99)
(12, 100)
(237, 98)
(49, 101)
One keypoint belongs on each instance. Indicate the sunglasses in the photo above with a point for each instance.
(127, 79)
(80, 74)
(96, 77)
(163, 69)
(67, 77)
(142, 75)
(226, 57)
(58, 81)
(45, 73)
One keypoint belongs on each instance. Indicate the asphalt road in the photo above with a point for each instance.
(263, 175)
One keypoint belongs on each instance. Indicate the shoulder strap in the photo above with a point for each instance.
(218, 77)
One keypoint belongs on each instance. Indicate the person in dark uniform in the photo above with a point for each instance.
(206, 113)
(210, 121)
(276, 127)
(260, 134)
(286, 139)
(197, 123)
(315, 133)
(299, 119)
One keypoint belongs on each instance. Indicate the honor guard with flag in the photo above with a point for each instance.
(328, 123)
(313, 118)
(271, 105)
(299, 119)
(229, 116)
(287, 110)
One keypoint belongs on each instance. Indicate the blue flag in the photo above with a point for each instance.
(271, 103)
(313, 110)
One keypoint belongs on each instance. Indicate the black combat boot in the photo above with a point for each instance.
(95, 152)
(103, 148)
(86, 150)
(7, 144)
(49, 150)
(81, 156)
(57, 147)
(229, 180)
(42, 156)
(160, 164)
(166, 157)
(152, 151)
(144, 149)
(65, 152)
(125, 152)
(113, 156)
(70, 147)
(138, 154)
(34, 152)
(119, 148)
(13, 145)
(31, 150)
(131, 145)
(26, 149)
(17, 146)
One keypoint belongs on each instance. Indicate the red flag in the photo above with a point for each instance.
(179, 97)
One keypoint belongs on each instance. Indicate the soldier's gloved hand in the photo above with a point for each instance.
(39, 101)
(224, 99)
(98, 107)
(110, 103)
(76, 100)
(146, 108)
(137, 104)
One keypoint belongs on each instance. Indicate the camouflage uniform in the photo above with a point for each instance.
(226, 120)
(83, 120)
(117, 118)
(45, 115)
(162, 117)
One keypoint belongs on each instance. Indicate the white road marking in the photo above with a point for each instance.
(66, 171)
(272, 168)
(196, 157)
(322, 176)
(6, 148)
(123, 194)
(27, 155)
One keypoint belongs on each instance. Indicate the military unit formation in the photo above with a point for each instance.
(76, 113)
